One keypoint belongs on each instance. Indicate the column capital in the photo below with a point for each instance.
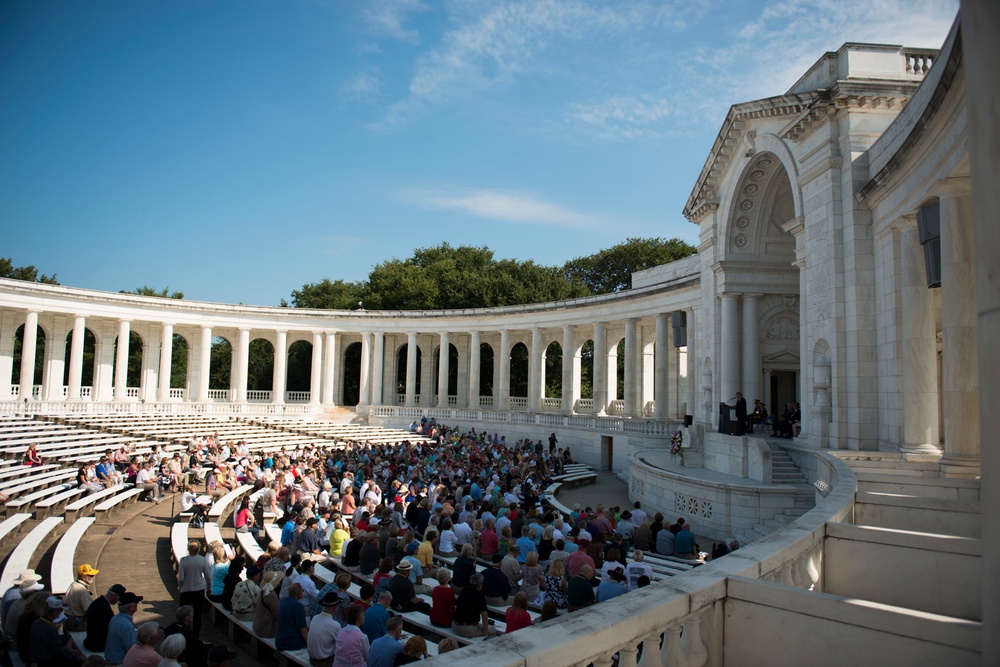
(747, 296)
(730, 296)
(953, 187)
(905, 222)
(795, 226)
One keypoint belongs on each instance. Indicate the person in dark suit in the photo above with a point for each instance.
(741, 414)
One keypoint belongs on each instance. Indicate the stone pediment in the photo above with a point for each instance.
(783, 357)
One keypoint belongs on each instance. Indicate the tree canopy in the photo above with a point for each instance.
(29, 273)
(610, 270)
(446, 277)
(146, 290)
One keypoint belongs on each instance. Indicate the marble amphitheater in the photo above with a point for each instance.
(847, 260)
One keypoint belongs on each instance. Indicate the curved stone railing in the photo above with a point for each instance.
(609, 424)
(680, 621)
(19, 407)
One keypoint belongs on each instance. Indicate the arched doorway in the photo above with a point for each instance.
(298, 375)
(260, 370)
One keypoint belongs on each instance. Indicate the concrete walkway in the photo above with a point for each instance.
(135, 551)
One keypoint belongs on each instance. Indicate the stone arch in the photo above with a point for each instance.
(618, 351)
(352, 374)
(180, 347)
(487, 364)
(298, 369)
(260, 365)
(220, 363)
(586, 352)
(762, 201)
(519, 361)
(552, 366)
(772, 143)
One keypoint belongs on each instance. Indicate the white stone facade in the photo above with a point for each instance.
(810, 285)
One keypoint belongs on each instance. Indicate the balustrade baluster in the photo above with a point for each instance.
(671, 654)
(603, 660)
(651, 651)
(697, 653)
(626, 656)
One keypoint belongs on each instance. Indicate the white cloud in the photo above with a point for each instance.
(494, 44)
(502, 205)
(362, 87)
(622, 116)
(388, 18)
(774, 49)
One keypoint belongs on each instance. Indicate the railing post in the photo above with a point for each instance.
(671, 655)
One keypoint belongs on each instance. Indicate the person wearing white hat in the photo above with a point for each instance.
(78, 598)
(13, 594)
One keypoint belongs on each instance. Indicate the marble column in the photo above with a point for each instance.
(919, 392)
(443, 369)
(600, 368)
(329, 368)
(751, 350)
(662, 385)
(959, 348)
(980, 23)
(535, 356)
(55, 360)
(692, 365)
(475, 347)
(504, 354)
(570, 388)
(364, 383)
(631, 374)
(280, 367)
(76, 358)
(29, 340)
(411, 370)
(205, 365)
(730, 347)
(242, 367)
(166, 358)
(148, 386)
(425, 393)
(121, 362)
(378, 367)
(7, 330)
(316, 370)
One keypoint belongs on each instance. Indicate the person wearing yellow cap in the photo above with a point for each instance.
(78, 597)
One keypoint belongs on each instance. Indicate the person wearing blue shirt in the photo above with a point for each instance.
(476, 492)
(288, 532)
(292, 629)
(383, 651)
(612, 587)
(121, 631)
(526, 544)
(377, 619)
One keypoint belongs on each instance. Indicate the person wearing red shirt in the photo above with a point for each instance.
(517, 614)
(443, 596)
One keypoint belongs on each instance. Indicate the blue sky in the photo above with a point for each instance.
(237, 150)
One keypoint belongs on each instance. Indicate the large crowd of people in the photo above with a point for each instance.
(465, 510)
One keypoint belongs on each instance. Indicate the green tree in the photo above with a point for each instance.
(29, 273)
(610, 270)
(146, 290)
(444, 277)
(328, 295)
